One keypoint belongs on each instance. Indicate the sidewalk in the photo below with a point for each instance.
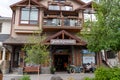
(64, 76)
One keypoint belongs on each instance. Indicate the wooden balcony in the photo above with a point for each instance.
(53, 23)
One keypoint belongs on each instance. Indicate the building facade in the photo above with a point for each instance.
(60, 21)
(5, 29)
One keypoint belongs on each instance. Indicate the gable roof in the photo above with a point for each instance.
(65, 33)
(37, 3)
(87, 5)
(81, 2)
(20, 3)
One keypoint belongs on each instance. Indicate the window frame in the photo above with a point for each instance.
(0, 27)
(20, 18)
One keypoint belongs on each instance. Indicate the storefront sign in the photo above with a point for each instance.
(88, 59)
(62, 41)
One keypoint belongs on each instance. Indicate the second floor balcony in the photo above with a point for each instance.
(73, 24)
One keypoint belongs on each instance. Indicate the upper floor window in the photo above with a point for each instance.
(0, 27)
(66, 8)
(29, 15)
(60, 7)
(59, 0)
(54, 7)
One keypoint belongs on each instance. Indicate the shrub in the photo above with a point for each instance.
(102, 74)
(106, 74)
(25, 77)
(87, 78)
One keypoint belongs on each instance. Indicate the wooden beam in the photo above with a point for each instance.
(63, 36)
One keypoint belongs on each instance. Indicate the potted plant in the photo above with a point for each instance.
(52, 70)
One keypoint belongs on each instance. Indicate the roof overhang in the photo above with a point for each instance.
(25, 3)
(88, 5)
(70, 40)
(22, 40)
(13, 41)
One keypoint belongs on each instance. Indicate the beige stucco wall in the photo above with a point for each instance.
(17, 28)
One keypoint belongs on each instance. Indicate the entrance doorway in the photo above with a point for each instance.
(60, 62)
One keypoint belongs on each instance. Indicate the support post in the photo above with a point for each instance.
(3, 56)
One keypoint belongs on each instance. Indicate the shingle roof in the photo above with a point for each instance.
(17, 40)
(21, 40)
(3, 37)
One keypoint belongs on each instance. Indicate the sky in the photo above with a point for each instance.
(5, 10)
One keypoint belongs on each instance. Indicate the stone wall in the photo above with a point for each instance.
(5, 66)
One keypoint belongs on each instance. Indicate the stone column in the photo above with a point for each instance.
(3, 56)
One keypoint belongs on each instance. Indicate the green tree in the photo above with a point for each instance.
(36, 51)
(105, 32)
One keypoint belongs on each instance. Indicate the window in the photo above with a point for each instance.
(66, 8)
(71, 22)
(110, 54)
(60, 7)
(0, 27)
(29, 15)
(59, 0)
(54, 7)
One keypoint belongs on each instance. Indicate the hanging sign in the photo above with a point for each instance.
(63, 41)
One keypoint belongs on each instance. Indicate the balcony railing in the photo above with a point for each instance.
(61, 22)
(72, 22)
(52, 22)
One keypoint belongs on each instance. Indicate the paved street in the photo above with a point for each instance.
(64, 76)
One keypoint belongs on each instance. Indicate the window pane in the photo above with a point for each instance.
(25, 15)
(33, 22)
(59, 0)
(34, 15)
(66, 22)
(52, 22)
(50, 7)
(66, 8)
(54, 7)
